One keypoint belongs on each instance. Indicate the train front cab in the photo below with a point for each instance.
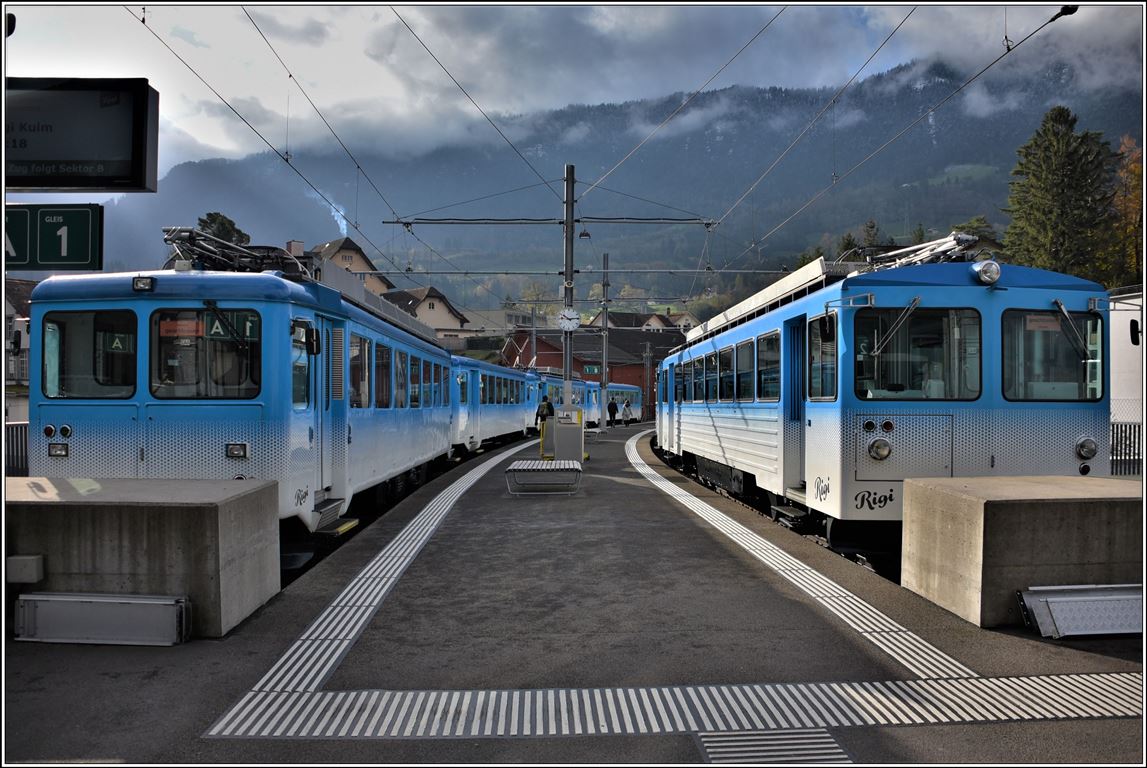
(831, 401)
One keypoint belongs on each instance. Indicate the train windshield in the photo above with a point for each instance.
(206, 354)
(1048, 358)
(89, 354)
(933, 354)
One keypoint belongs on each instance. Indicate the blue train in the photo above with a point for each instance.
(247, 363)
(818, 396)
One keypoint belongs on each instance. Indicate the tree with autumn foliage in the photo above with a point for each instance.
(1061, 199)
(1123, 263)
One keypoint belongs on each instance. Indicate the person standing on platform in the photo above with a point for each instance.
(612, 410)
(544, 411)
(626, 413)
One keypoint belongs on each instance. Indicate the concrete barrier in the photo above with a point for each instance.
(970, 543)
(215, 541)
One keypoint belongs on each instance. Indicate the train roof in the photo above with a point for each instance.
(266, 286)
(955, 274)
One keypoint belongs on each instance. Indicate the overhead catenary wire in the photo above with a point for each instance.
(683, 104)
(270, 146)
(476, 105)
(1066, 10)
(831, 103)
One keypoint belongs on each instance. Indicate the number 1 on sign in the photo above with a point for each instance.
(63, 233)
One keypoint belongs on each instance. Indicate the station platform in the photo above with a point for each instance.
(641, 619)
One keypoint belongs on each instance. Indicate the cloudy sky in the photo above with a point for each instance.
(375, 82)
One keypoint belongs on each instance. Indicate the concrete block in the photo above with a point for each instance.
(215, 541)
(24, 569)
(970, 543)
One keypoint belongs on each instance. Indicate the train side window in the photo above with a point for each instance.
(678, 384)
(427, 384)
(381, 376)
(711, 377)
(687, 380)
(401, 373)
(359, 372)
(745, 364)
(444, 383)
(769, 366)
(300, 375)
(415, 382)
(822, 358)
(726, 374)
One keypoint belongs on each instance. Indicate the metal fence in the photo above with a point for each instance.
(1126, 448)
(16, 449)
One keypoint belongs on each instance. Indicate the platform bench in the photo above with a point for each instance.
(525, 477)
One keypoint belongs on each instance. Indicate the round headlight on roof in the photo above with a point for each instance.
(987, 272)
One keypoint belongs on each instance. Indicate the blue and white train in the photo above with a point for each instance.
(245, 363)
(818, 396)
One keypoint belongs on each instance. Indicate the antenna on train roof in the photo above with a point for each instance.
(190, 246)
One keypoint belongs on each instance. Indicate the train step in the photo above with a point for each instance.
(796, 493)
(339, 527)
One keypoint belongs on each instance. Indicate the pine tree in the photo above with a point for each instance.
(978, 226)
(871, 232)
(222, 227)
(1061, 197)
(846, 244)
(918, 235)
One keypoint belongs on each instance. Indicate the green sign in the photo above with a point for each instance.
(591, 369)
(53, 237)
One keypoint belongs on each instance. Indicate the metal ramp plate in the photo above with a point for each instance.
(1089, 609)
(72, 617)
(524, 477)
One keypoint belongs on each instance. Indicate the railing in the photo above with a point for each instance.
(16, 449)
(1126, 448)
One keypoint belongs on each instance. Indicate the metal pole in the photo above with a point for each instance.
(533, 336)
(567, 336)
(604, 337)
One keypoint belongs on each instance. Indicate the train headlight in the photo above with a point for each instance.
(58, 450)
(879, 448)
(1086, 448)
(988, 272)
(236, 450)
(49, 430)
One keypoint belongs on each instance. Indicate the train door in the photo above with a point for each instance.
(325, 371)
(793, 396)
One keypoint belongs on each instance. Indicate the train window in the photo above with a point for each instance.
(711, 378)
(678, 384)
(205, 354)
(483, 389)
(300, 374)
(359, 372)
(89, 354)
(934, 354)
(687, 381)
(415, 382)
(444, 382)
(726, 374)
(381, 376)
(822, 358)
(427, 384)
(1046, 357)
(769, 366)
(400, 375)
(745, 363)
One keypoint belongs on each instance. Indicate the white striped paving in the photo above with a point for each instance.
(312, 658)
(700, 709)
(813, 745)
(923, 659)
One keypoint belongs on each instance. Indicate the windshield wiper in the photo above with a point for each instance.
(227, 326)
(880, 345)
(1066, 325)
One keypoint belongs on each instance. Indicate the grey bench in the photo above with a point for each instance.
(525, 477)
